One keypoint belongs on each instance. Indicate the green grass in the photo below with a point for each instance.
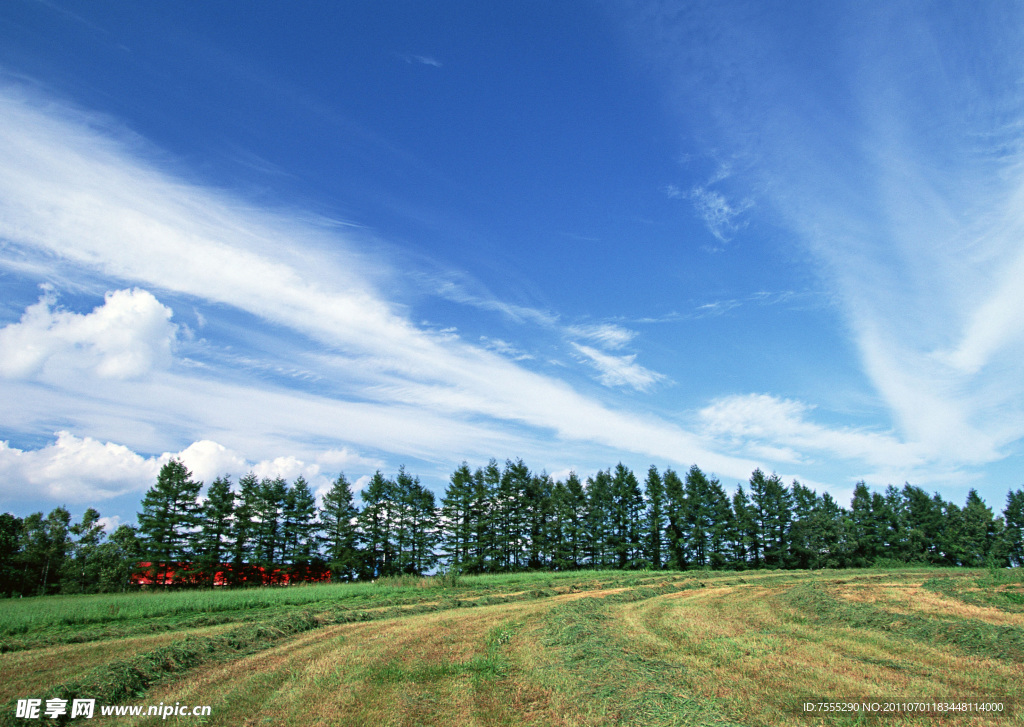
(566, 649)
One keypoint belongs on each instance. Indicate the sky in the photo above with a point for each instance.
(309, 238)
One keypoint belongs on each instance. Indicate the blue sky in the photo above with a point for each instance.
(311, 237)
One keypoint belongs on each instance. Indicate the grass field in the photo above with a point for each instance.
(584, 648)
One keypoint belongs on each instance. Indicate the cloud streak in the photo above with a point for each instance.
(70, 192)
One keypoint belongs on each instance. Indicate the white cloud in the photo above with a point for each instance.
(82, 470)
(619, 370)
(608, 335)
(73, 470)
(504, 347)
(780, 430)
(208, 460)
(718, 213)
(69, 192)
(126, 337)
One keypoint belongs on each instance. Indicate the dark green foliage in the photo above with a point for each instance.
(654, 490)
(627, 511)
(215, 530)
(169, 515)
(497, 520)
(10, 541)
(340, 536)
(1013, 534)
(80, 572)
(299, 543)
(42, 550)
(675, 504)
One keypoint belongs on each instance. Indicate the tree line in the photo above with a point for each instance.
(494, 519)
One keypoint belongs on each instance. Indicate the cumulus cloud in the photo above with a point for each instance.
(126, 337)
(74, 470)
(208, 460)
(83, 470)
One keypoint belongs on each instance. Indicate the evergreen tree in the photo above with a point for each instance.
(675, 511)
(340, 536)
(575, 523)
(214, 543)
(803, 545)
(951, 537)
(598, 523)
(269, 532)
(655, 492)
(1013, 534)
(923, 525)
(485, 545)
(169, 515)
(538, 508)
(978, 535)
(696, 517)
(747, 546)
(244, 532)
(723, 527)
(512, 526)
(375, 526)
(456, 518)
(299, 544)
(771, 506)
(865, 540)
(627, 505)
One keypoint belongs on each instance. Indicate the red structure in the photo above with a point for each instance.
(148, 575)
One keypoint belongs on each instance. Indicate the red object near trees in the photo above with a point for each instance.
(148, 575)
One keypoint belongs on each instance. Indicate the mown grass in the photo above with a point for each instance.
(573, 649)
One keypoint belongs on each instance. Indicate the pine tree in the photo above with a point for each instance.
(627, 503)
(866, 542)
(340, 536)
(723, 528)
(216, 516)
(924, 525)
(169, 515)
(299, 544)
(244, 532)
(598, 523)
(802, 543)
(512, 516)
(978, 532)
(270, 535)
(1013, 534)
(696, 517)
(485, 545)
(537, 501)
(375, 521)
(675, 511)
(655, 493)
(576, 506)
(747, 544)
(456, 518)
